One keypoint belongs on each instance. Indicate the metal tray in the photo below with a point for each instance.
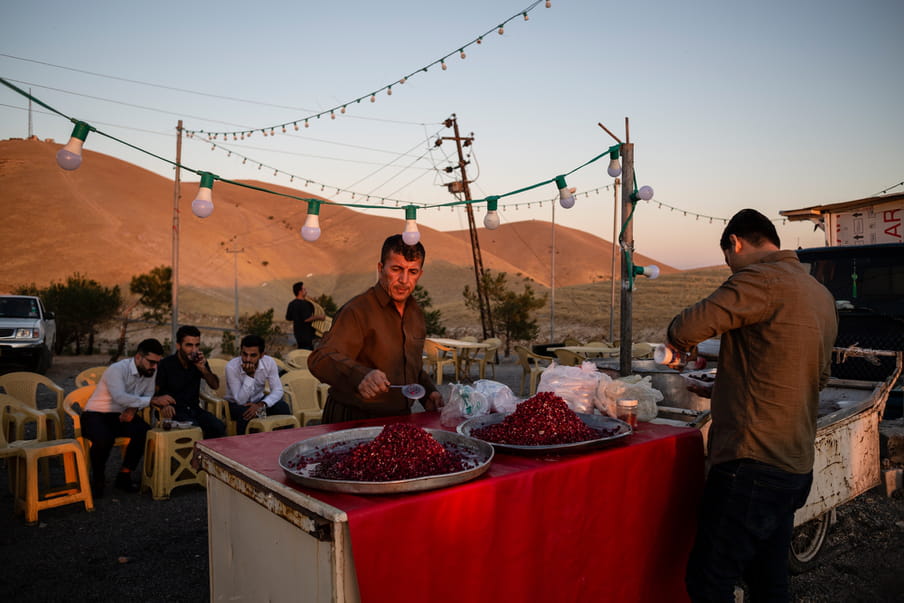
(477, 456)
(596, 421)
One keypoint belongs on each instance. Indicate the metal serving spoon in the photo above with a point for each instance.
(414, 391)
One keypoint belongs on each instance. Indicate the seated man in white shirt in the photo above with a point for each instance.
(246, 378)
(125, 388)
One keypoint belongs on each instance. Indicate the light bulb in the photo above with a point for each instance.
(70, 156)
(373, 98)
(614, 169)
(645, 193)
(501, 30)
(566, 195)
(548, 3)
(443, 64)
(651, 271)
(410, 235)
(202, 206)
(462, 54)
(311, 229)
(491, 220)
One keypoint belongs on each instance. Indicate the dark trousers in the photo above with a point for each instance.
(744, 532)
(209, 424)
(102, 429)
(237, 410)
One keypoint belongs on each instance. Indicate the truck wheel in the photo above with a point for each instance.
(43, 361)
(807, 541)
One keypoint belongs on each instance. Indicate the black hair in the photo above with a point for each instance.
(297, 287)
(752, 226)
(150, 346)
(395, 244)
(187, 331)
(253, 341)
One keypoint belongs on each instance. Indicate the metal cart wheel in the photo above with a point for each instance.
(807, 541)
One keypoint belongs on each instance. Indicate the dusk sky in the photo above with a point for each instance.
(773, 105)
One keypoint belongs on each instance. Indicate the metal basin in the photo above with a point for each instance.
(668, 381)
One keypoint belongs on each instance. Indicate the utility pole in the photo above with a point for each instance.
(31, 131)
(626, 243)
(176, 197)
(486, 319)
(614, 258)
(235, 272)
(552, 279)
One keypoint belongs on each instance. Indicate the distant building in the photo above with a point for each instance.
(869, 221)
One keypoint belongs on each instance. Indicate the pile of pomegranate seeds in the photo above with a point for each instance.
(543, 420)
(401, 451)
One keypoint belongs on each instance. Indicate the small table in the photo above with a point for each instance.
(461, 347)
(167, 460)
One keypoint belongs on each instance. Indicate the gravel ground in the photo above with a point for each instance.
(132, 547)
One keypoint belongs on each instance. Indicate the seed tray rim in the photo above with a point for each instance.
(597, 421)
(359, 435)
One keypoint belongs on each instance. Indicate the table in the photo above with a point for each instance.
(462, 349)
(614, 524)
(588, 351)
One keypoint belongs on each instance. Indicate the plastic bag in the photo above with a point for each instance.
(632, 387)
(499, 395)
(577, 385)
(464, 402)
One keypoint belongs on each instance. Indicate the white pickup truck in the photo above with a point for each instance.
(27, 332)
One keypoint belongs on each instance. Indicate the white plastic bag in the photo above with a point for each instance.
(499, 395)
(464, 402)
(632, 387)
(577, 385)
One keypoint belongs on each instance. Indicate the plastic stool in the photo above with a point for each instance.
(167, 461)
(29, 497)
(271, 423)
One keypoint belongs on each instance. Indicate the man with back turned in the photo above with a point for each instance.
(777, 327)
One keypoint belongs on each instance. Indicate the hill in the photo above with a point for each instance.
(111, 220)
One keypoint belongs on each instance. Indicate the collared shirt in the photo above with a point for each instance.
(183, 383)
(778, 326)
(369, 333)
(242, 389)
(121, 387)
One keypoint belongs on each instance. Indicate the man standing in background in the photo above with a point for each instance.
(301, 313)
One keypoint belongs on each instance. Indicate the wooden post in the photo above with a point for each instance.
(176, 196)
(626, 245)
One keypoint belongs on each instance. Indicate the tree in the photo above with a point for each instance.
(511, 311)
(155, 291)
(326, 302)
(261, 323)
(81, 305)
(433, 318)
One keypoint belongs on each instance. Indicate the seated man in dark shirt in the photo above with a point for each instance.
(179, 376)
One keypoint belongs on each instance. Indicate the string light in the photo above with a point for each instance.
(411, 235)
(311, 229)
(461, 50)
(614, 168)
(202, 206)
(70, 156)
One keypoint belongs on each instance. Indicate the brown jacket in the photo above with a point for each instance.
(778, 325)
(368, 333)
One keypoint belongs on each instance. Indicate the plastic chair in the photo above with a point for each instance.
(23, 462)
(571, 341)
(532, 366)
(568, 358)
(302, 392)
(167, 461)
(436, 359)
(74, 406)
(282, 366)
(90, 376)
(298, 359)
(215, 399)
(23, 386)
(487, 357)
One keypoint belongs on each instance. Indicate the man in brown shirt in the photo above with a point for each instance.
(377, 340)
(777, 327)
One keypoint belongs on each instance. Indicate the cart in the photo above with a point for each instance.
(847, 460)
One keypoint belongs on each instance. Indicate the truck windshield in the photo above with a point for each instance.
(18, 307)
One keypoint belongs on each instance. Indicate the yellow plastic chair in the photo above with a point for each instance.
(90, 376)
(571, 341)
(74, 406)
(282, 366)
(437, 357)
(23, 386)
(487, 357)
(298, 359)
(215, 399)
(167, 461)
(568, 358)
(302, 392)
(532, 366)
(23, 461)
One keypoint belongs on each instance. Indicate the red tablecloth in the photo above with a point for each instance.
(610, 525)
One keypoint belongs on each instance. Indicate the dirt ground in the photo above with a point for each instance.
(134, 548)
